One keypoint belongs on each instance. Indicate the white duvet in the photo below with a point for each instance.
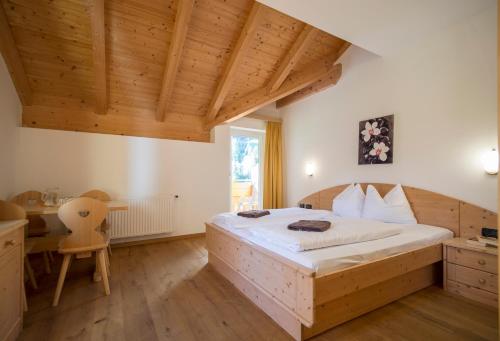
(342, 231)
(273, 228)
(287, 216)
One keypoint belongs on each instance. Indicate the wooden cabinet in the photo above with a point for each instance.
(471, 271)
(11, 279)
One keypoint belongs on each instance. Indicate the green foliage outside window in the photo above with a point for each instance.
(245, 156)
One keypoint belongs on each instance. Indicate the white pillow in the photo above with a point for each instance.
(349, 203)
(393, 208)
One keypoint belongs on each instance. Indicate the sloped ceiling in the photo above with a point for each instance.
(158, 68)
(380, 26)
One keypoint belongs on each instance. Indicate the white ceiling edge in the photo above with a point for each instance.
(381, 26)
(268, 110)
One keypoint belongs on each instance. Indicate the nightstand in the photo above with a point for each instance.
(471, 271)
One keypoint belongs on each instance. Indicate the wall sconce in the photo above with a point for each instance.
(490, 162)
(310, 169)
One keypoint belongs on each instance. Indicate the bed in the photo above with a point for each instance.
(308, 294)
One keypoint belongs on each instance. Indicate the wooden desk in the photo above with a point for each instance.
(113, 205)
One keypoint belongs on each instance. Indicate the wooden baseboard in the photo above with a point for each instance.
(157, 240)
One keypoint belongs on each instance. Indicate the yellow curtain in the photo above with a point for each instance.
(273, 172)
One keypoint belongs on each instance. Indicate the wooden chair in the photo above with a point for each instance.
(11, 211)
(240, 192)
(37, 229)
(37, 226)
(83, 216)
(96, 194)
(102, 196)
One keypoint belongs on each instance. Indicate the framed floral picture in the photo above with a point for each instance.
(376, 140)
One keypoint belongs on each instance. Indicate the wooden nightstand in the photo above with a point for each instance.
(471, 271)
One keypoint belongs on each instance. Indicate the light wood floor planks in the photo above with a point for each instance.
(166, 291)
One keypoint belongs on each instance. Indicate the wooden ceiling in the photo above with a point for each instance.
(158, 68)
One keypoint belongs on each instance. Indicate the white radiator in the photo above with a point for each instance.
(144, 217)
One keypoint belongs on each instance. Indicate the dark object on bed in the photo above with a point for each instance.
(254, 213)
(489, 232)
(310, 225)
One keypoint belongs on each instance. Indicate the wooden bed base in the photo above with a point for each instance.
(304, 304)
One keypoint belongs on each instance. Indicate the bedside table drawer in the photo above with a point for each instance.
(472, 259)
(475, 294)
(475, 278)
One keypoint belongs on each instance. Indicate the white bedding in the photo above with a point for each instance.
(233, 221)
(328, 259)
(342, 231)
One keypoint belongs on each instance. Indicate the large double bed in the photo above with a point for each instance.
(311, 291)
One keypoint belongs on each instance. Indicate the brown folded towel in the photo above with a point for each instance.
(254, 213)
(310, 225)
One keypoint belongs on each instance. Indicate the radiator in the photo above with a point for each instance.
(145, 216)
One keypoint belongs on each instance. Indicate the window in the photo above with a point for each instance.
(246, 169)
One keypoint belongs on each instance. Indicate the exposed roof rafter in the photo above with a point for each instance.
(253, 21)
(299, 47)
(325, 82)
(182, 18)
(96, 9)
(259, 98)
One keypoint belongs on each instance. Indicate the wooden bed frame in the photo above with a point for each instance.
(305, 304)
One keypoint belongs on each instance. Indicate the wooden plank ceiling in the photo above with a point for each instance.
(158, 68)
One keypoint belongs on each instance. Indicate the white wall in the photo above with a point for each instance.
(132, 167)
(443, 93)
(381, 26)
(10, 109)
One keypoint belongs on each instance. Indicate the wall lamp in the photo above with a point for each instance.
(310, 169)
(490, 162)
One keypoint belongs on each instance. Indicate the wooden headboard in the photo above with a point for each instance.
(465, 220)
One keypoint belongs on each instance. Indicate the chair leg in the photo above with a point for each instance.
(51, 256)
(29, 270)
(46, 262)
(70, 261)
(97, 271)
(107, 262)
(62, 276)
(109, 250)
(104, 272)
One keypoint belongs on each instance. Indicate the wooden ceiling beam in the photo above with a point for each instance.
(182, 18)
(253, 21)
(130, 122)
(13, 61)
(96, 9)
(259, 98)
(325, 82)
(298, 48)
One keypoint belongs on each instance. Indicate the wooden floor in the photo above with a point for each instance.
(168, 292)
